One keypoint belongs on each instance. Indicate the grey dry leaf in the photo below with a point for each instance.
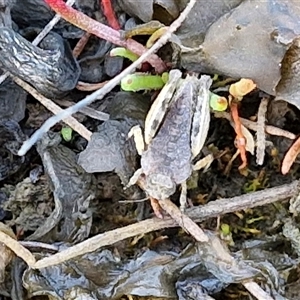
(250, 41)
(146, 12)
(5, 253)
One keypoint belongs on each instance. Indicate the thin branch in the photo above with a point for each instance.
(253, 126)
(99, 94)
(88, 111)
(55, 109)
(81, 44)
(261, 134)
(198, 214)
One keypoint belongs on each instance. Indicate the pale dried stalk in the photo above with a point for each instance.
(257, 291)
(90, 87)
(260, 133)
(99, 94)
(55, 109)
(17, 248)
(88, 111)
(184, 221)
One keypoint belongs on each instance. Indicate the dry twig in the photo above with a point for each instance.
(184, 221)
(88, 111)
(253, 126)
(261, 134)
(197, 214)
(55, 109)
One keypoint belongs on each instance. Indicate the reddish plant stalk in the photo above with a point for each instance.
(240, 140)
(110, 14)
(86, 23)
(81, 44)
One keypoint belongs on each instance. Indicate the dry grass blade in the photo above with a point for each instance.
(88, 111)
(90, 87)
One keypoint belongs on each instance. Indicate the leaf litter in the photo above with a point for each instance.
(66, 213)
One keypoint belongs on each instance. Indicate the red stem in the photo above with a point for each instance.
(110, 14)
(86, 23)
(240, 139)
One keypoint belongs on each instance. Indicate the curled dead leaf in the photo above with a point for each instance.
(250, 143)
(290, 157)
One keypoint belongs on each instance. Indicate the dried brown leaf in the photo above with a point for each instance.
(290, 157)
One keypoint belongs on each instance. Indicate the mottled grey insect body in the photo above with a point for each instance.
(176, 128)
(167, 160)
